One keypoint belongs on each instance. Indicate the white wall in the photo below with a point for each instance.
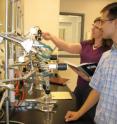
(2, 14)
(2, 28)
(90, 8)
(43, 13)
(69, 73)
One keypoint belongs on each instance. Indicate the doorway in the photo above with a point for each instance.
(71, 29)
(71, 26)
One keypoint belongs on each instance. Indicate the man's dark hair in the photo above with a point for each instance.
(112, 10)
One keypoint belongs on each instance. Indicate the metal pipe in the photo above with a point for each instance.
(6, 63)
(20, 78)
(12, 38)
(13, 16)
(3, 98)
(13, 30)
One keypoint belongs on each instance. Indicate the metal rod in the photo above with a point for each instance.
(12, 38)
(6, 63)
(13, 30)
(3, 98)
(20, 78)
(13, 16)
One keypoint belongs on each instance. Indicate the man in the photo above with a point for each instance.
(104, 81)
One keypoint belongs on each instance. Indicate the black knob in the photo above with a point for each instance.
(53, 57)
(62, 66)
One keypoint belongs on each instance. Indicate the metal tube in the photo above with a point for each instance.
(13, 29)
(6, 63)
(20, 78)
(13, 16)
(6, 42)
(12, 38)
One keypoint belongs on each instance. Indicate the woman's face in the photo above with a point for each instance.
(96, 30)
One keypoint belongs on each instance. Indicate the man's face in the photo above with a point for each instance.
(107, 26)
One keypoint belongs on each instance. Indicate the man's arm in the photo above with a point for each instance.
(89, 103)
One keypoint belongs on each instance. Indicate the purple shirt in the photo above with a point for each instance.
(89, 55)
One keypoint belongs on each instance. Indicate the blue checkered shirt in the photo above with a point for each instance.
(105, 82)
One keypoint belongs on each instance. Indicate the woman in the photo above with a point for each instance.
(90, 51)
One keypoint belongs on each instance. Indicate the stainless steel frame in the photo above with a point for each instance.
(6, 62)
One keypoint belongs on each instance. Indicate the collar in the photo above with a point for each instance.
(114, 47)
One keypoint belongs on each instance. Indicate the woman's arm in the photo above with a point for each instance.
(74, 48)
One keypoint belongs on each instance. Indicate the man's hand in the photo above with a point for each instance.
(72, 116)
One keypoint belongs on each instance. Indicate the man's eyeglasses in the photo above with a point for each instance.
(105, 20)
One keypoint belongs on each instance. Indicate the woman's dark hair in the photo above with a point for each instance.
(106, 43)
(112, 10)
(97, 19)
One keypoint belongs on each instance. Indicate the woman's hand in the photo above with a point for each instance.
(72, 116)
(46, 36)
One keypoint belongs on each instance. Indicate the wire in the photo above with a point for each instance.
(1, 113)
(12, 122)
